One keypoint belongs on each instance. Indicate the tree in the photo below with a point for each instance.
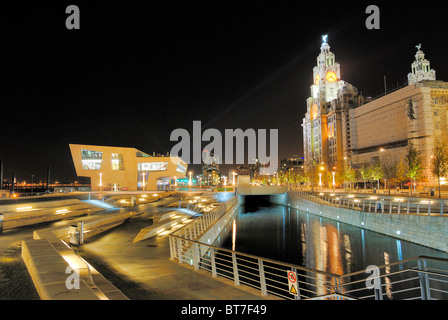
(402, 173)
(389, 167)
(376, 172)
(439, 161)
(348, 173)
(414, 162)
(364, 171)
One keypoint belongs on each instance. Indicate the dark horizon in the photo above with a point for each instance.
(132, 74)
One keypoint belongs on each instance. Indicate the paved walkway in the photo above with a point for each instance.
(143, 270)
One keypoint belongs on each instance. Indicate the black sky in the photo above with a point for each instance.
(134, 73)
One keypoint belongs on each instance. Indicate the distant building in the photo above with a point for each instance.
(127, 169)
(210, 170)
(291, 163)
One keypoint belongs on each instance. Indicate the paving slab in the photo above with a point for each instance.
(147, 267)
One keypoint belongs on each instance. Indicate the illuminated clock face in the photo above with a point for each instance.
(317, 79)
(331, 77)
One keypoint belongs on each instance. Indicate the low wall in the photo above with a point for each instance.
(429, 231)
(15, 216)
(48, 272)
(47, 257)
(229, 207)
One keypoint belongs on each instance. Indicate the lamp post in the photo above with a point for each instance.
(191, 181)
(101, 181)
(320, 180)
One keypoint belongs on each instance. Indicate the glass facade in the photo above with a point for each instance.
(181, 169)
(91, 160)
(117, 161)
(153, 166)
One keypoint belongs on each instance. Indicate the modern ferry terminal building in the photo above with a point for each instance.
(125, 169)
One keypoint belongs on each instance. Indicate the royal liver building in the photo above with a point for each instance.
(326, 126)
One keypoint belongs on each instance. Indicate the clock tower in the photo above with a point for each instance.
(326, 126)
(326, 76)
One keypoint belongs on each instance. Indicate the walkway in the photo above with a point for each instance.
(143, 270)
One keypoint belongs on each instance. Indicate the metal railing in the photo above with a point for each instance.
(378, 204)
(421, 277)
(267, 275)
(201, 224)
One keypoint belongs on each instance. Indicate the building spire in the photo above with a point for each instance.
(420, 68)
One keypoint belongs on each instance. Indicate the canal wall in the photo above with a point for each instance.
(429, 231)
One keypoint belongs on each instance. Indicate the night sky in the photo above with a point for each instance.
(133, 74)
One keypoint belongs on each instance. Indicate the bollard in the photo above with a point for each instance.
(81, 231)
(74, 235)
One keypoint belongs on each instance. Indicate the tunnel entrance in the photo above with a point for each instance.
(252, 203)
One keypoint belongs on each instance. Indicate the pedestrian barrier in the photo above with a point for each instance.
(422, 277)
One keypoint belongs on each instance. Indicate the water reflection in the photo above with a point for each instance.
(293, 236)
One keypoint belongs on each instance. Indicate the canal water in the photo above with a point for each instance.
(290, 235)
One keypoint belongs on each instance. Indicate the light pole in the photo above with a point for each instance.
(191, 181)
(320, 180)
(101, 181)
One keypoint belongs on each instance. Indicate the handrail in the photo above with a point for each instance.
(398, 263)
(269, 275)
(302, 268)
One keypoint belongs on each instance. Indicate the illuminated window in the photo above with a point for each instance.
(117, 161)
(91, 160)
(153, 166)
(180, 168)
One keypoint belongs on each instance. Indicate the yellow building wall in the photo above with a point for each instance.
(127, 178)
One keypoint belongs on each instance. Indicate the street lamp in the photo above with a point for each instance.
(320, 180)
(191, 181)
